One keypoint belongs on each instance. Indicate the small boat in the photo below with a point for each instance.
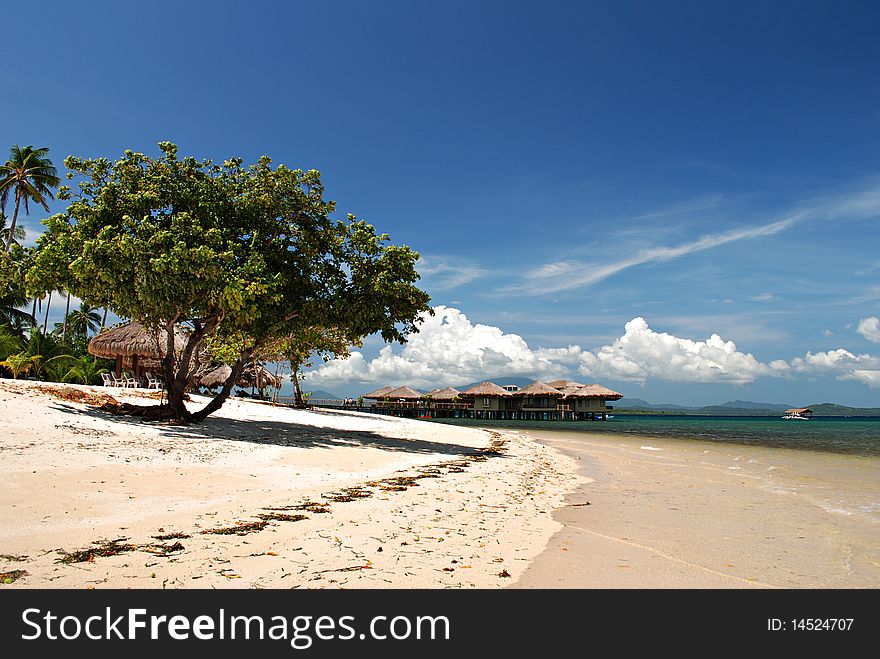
(799, 414)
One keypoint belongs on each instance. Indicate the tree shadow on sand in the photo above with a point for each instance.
(278, 433)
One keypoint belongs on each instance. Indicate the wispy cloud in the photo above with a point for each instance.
(444, 272)
(567, 275)
(570, 274)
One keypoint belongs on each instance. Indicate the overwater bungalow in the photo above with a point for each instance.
(539, 401)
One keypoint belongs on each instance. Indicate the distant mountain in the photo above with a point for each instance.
(832, 409)
(326, 395)
(739, 408)
(751, 405)
(640, 404)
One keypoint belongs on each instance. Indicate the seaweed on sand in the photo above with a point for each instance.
(12, 576)
(242, 528)
(172, 536)
(101, 548)
(348, 494)
(281, 517)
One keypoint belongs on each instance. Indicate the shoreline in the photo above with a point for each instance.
(263, 497)
(667, 513)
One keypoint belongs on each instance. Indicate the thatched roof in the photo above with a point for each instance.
(485, 389)
(378, 393)
(538, 389)
(569, 388)
(561, 384)
(444, 394)
(407, 393)
(595, 391)
(133, 339)
(799, 410)
(218, 376)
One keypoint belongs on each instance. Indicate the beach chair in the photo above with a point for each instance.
(117, 380)
(131, 381)
(152, 381)
(108, 380)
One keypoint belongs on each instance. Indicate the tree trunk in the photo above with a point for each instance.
(66, 314)
(218, 400)
(34, 316)
(104, 319)
(277, 388)
(14, 221)
(46, 321)
(297, 392)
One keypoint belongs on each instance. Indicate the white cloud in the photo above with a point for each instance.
(446, 272)
(450, 350)
(870, 328)
(642, 353)
(567, 275)
(857, 204)
(763, 297)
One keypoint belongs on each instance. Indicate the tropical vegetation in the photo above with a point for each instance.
(238, 257)
(28, 176)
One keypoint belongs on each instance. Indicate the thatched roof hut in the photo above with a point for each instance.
(538, 389)
(218, 376)
(485, 389)
(133, 340)
(561, 384)
(595, 391)
(378, 393)
(444, 394)
(405, 393)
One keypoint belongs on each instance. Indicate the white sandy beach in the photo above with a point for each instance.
(75, 477)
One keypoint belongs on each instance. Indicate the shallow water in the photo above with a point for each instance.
(848, 435)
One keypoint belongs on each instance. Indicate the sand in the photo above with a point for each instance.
(473, 508)
(666, 513)
(366, 501)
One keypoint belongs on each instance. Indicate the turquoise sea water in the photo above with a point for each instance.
(849, 435)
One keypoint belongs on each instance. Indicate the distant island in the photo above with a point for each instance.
(738, 408)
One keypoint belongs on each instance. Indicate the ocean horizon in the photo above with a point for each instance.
(847, 435)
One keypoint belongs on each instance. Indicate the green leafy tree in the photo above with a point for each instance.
(240, 255)
(300, 349)
(28, 176)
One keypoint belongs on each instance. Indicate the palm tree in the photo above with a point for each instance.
(85, 370)
(30, 176)
(46, 321)
(6, 232)
(66, 314)
(84, 320)
(10, 301)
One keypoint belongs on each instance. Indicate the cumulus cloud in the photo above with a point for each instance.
(870, 328)
(449, 349)
(642, 353)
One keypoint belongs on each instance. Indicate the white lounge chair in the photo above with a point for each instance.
(131, 381)
(152, 381)
(117, 380)
(108, 380)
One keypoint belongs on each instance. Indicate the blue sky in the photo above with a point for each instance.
(564, 168)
